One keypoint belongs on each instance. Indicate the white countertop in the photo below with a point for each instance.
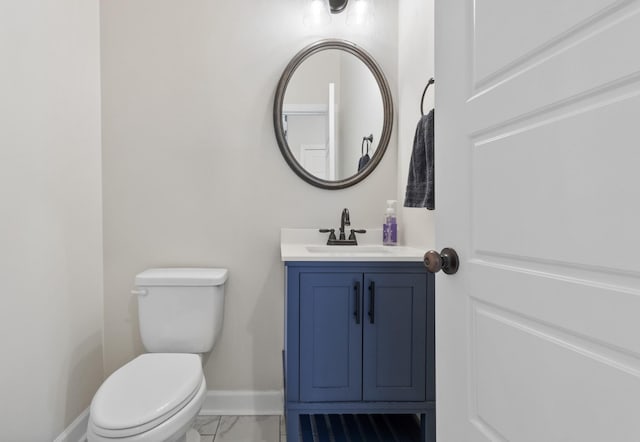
(310, 245)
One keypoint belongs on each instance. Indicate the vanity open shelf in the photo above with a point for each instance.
(359, 339)
(360, 427)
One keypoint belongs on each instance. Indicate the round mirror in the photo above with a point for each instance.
(333, 114)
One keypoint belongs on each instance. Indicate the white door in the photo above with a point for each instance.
(314, 159)
(538, 189)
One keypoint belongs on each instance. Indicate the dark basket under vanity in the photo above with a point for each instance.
(360, 428)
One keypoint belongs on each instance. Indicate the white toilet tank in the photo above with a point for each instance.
(180, 309)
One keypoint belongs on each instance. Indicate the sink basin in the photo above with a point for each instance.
(298, 245)
(350, 250)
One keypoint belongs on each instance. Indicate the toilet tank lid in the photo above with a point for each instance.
(185, 277)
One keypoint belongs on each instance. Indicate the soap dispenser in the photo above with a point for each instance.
(390, 225)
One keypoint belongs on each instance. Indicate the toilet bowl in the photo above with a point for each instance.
(156, 396)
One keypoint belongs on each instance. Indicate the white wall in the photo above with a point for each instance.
(310, 83)
(50, 215)
(192, 171)
(361, 100)
(415, 67)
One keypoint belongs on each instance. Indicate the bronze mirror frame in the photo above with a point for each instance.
(387, 104)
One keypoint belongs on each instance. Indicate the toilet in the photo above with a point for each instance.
(156, 396)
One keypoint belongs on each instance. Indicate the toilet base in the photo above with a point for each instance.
(191, 436)
(167, 431)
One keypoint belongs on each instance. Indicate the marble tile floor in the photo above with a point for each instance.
(241, 428)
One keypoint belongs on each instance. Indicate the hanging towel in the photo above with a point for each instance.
(420, 184)
(364, 159)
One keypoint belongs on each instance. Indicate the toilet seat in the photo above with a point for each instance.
(162, 385)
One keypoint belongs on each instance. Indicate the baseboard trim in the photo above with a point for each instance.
(216, 403)
(242, 403)
(77, 430)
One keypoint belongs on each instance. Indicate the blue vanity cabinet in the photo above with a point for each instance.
(394, 342)
(330, 337)
(359, 338)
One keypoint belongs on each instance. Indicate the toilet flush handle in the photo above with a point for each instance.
(139, 292)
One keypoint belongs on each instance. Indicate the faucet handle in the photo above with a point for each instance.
(331, 232)
(352, 236)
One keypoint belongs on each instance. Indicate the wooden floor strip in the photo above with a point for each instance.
(306, 433)
(382, 428)
(322, 428)
(338, 428)
(352, 428)
(368, 430)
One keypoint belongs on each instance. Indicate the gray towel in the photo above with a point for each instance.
(364, 160)
(420, 184)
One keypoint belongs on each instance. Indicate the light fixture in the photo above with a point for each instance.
(337, 6)
(316, 13)
(360, 12)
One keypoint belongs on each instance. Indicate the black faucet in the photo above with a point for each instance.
(342, 240)
(344, 221)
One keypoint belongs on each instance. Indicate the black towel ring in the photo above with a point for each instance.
(369, 141)
(429, 83)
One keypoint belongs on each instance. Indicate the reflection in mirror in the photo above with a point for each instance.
(332, 107)
(333, 114)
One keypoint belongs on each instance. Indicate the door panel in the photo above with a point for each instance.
(577, 69)
(510, 351)
(599, 312)
(330, 338)
(314, 159)
(394, 343)
(493, 52)
(537, 154)
(566, 180)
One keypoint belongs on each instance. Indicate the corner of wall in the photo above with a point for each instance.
(415, 67)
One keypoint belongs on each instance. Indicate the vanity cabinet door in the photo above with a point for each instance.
(330, 337)
(395, 334)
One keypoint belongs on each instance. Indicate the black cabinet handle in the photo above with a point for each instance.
(356, 310)
(372, 302)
